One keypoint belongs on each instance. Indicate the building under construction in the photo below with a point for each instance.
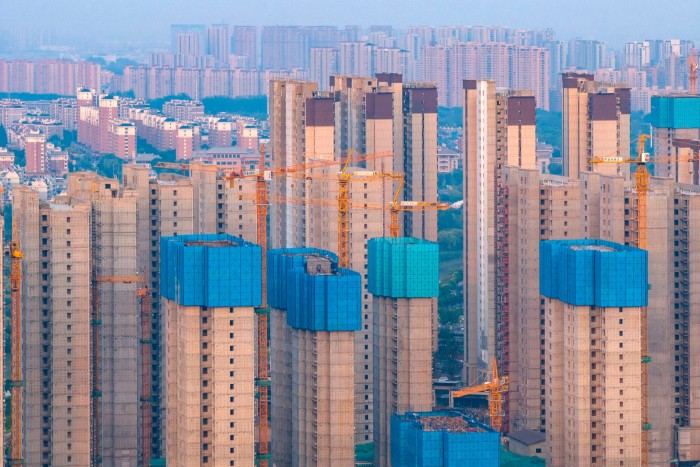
(403, 279)
(56, 310)
(445, 438)
(210, 285)
(593, 293)
(315, 314)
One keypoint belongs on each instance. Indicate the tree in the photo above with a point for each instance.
(20, 158)
(82, 164)
(110, 166)
(3, 137)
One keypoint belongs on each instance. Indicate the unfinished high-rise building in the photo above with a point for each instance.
(170, 205)
(675, 118)
(115, 316)
(595, 124)
(499, 129)
(56, 309)
(315, 315)
(374, 116)
(210, 285)
(593, 293)
(403, 279)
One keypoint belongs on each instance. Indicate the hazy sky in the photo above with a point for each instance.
(615, 21)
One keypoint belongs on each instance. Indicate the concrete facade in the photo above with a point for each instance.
(209, 384)
(498, 129)
(595, 125)
(55, 240)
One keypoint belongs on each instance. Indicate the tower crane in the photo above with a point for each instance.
(692, 73)
(15, 382)
(144, 294)
(642, 187)
(185, 167)
(496, 387)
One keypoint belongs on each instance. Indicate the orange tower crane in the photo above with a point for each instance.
(262, 381)
(15, 382)
(397, 206)
(496, 387)
(693, 73)
(144, 294)
(642, 187)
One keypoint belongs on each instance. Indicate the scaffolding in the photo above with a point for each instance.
(502, 316)
(15, 383)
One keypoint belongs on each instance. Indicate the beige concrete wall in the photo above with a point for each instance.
(593, 385)
(69, 294)
(574, 132)
(210, 418)
(322, 398)
(281, 374)
(402, 364)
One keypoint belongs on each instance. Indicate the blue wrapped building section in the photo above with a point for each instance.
(442, 438)
(594, 273)
(317, 295)
(211, 270)
(403, 268)
(678, 112)
(282, 260)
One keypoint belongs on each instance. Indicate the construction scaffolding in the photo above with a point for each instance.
(502, 317)
(16, 350)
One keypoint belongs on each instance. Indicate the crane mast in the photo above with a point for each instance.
(15, 382)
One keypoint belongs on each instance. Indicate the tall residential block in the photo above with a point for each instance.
(499, 130)
(172, 205)
(35, 153)
(595, 124)
(316, 311)
(403, 279)
(530, 207)
(420, 156)
(56, 307)
(114, 256)
(593, 292)
(674, 118)
(244, 43)
(286, 105)
(449, 439)
(210, 285)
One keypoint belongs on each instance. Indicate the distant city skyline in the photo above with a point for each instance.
(613, 22)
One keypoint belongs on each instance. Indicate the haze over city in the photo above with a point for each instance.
(612, 21)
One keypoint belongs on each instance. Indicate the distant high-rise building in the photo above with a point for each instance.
(593, 363)
(188, 39)
(284, 48)
(220, 133)
(210, 285)
(244, 42)
(35, 153)
(586, 55)
(356, 59)
(403, 291)
(122, 139)
(596, 124)
(218, 42)
(312, 357)
(637, 54)
(324, 64)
